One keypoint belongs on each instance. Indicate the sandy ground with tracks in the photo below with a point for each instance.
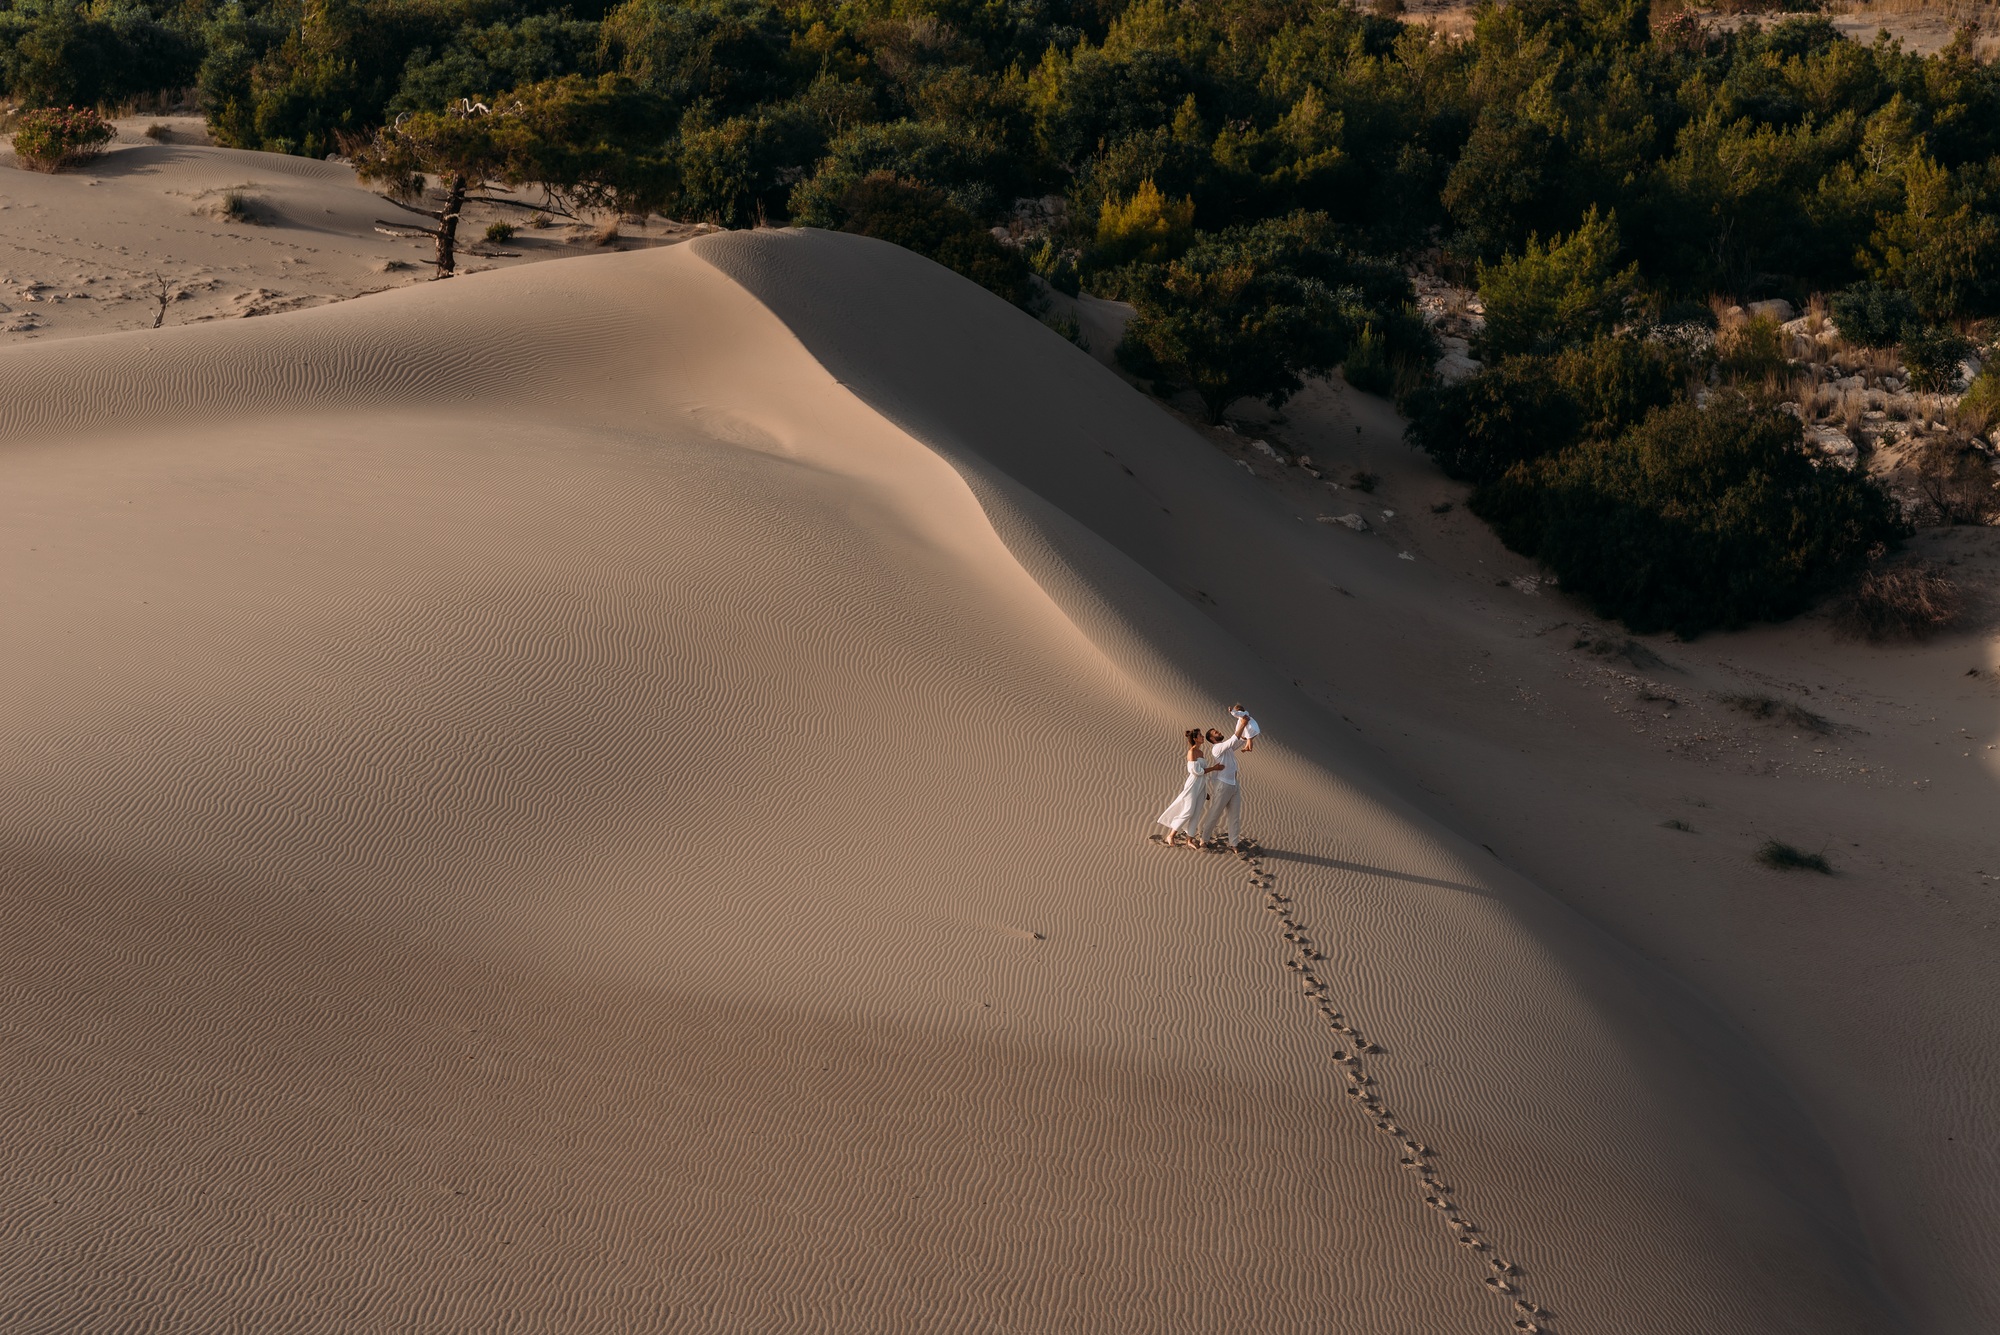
(612, 795)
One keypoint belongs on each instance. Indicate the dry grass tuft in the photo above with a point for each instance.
(1911, 601)
(1783, 857)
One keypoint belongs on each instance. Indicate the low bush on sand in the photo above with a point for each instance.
(1783, 857)
(53, 140)
(1692, 520)
(1913, 600)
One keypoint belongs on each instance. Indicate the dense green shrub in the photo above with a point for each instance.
(1245, 312)
(1253, 309)
(53, 140)
(947, 158)
(1870, 315)
(1697, 518)
(731, 55)
(68, 55)
(924, 219)
(1529, 407)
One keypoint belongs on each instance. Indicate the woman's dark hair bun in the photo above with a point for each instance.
(1194, 736)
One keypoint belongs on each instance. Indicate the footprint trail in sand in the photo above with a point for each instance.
(1352, 1052)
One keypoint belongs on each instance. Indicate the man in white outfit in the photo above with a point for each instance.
(1225, 793)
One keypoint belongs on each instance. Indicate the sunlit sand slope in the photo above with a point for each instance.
(532, 805)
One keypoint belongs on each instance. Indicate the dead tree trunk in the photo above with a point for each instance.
(447, 228)
(445, 234)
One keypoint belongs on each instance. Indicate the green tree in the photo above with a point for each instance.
(1944, 246)
(1148, 227)
(584, 144)
(1246, 312)
(1550, 297)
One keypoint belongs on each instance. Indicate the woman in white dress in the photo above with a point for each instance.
(1183, 815)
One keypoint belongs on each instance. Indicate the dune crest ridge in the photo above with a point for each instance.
(574, 799)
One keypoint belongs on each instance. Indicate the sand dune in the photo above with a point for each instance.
(638, 823)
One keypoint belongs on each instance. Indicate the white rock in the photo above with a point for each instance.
(1388, 514)
(1264, 447)
(1456, 366)
(1404, 556)
(1777, 309)
(1833, 445)
(1355, 522)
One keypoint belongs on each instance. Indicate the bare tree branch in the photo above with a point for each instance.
(411, 208)
(546, 206)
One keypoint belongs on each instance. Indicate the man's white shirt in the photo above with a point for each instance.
(1224, 752)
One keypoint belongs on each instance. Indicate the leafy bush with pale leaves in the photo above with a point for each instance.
(53, 140)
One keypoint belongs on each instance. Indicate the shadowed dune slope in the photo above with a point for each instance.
(610, 796)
